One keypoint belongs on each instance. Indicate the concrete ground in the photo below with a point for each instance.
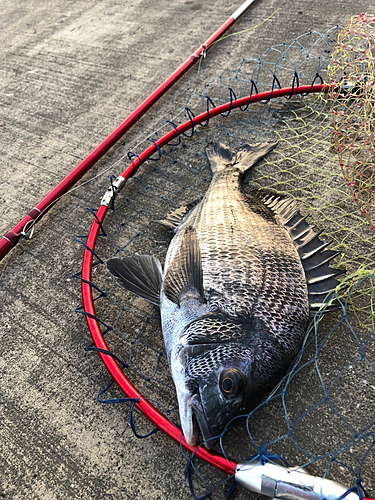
(70, 73)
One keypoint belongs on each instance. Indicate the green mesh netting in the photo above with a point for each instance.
(352, 72)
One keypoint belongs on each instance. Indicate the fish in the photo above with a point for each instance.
(242, 275)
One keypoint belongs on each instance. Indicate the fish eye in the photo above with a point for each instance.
(231, 382)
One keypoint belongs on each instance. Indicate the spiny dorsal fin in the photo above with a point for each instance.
(174, 218)
(184, 278)
(283, 207)
(315, 259)
(142, 276)
(220, 156)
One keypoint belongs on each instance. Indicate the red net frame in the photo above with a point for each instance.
(215, 459)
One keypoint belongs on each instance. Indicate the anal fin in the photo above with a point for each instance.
(174, 218)
(184, 278)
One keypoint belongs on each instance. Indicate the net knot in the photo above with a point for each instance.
(358, 488)
(265, 456)
(131, 155)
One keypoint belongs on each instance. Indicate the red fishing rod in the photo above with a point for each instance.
(11, 238)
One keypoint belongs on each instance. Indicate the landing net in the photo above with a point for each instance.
(352, 70)
(322, 415)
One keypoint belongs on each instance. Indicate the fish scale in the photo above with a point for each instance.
(241, 275)
(250, 265)
(230, 254)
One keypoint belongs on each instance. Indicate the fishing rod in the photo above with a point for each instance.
(27, 223)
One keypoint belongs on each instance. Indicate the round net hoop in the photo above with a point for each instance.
(213, 458)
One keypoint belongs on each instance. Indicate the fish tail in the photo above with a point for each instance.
(220, 156)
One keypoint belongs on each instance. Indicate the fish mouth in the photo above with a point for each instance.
(197, 415)
(192, 415)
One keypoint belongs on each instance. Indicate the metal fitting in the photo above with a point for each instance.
(275, 481)
(112, 191)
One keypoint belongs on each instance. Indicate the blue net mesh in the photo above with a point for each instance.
(321, 416)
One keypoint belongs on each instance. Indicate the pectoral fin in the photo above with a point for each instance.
(174, 218)
(184, 278)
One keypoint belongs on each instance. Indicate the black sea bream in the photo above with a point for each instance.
(241, 275)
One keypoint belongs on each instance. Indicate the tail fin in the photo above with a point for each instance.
(220, 156)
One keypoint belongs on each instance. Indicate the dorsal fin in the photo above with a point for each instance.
(220, 156)
(315, 259)
(184, 278)
(142, 276)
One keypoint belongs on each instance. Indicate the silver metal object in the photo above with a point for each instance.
(242, 9)
(29, 226)
(276, 481)
(115, 188)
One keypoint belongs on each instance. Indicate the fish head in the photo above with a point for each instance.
(221, 377)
